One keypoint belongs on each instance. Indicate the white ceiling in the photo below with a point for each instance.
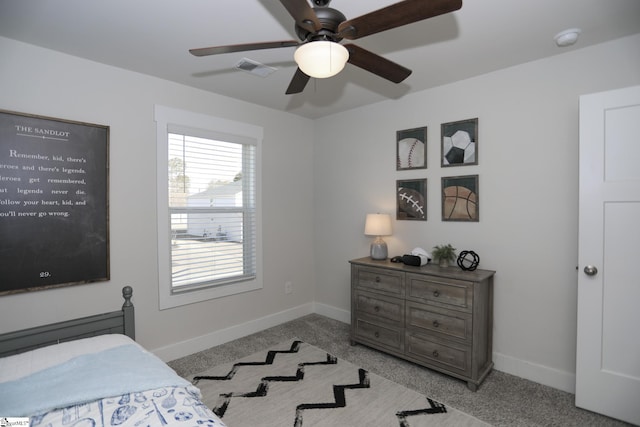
(153, 37)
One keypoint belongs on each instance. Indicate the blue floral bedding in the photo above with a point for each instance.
(166, 406)
(121, 386)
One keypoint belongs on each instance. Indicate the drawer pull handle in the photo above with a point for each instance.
(435, 353)
(436, 294)
(436, 324)
(376, 309)
(376, 334)
(377, 279)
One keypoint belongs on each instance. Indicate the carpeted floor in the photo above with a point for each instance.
(296, 384)
(501, 400)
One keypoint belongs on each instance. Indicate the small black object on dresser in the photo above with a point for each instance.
(440, 318)
(468, 260)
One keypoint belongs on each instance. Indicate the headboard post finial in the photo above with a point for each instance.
(128, 313)
(127, 293)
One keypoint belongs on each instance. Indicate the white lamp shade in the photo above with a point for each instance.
(377, 225)
(321, 59)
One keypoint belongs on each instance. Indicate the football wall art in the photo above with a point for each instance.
(460, 200)
(411, 199)
(459, 143)
(411, 149)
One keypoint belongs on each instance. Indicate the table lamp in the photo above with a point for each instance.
(378, 225)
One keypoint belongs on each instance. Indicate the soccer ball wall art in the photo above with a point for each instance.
(460, 143)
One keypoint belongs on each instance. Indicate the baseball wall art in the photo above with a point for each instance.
(411, 149)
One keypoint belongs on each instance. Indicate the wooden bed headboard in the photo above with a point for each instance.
(115, 322)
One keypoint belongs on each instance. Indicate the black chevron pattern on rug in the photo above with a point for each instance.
(271, 355)
(263, 387)
(435, 408)
(338, 394)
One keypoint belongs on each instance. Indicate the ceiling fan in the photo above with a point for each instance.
(321, 29)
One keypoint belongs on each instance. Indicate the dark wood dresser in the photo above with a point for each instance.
(440, 318)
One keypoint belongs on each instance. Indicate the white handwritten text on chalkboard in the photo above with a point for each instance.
(53, 202)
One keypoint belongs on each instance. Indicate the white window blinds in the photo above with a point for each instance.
(212, 208)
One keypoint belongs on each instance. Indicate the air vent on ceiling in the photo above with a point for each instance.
(254, 67)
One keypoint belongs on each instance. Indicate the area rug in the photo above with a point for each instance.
(296, 384)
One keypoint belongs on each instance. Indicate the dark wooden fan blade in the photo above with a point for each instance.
(376, 64)
(303, 14)
(395, 15)
(216, 50)
(298, 82)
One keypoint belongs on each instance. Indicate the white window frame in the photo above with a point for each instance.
(166, 118)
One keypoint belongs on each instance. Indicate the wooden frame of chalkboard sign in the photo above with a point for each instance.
(54, 202)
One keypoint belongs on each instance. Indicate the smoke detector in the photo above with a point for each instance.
(567, 37)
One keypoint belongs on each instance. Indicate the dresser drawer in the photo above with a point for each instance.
(447, 355)
(445, 323)
(380, 307)
(378, 334)
(379, 280)
(451, 293)
(440, 318)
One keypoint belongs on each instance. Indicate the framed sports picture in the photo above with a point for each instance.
(411, 199)
(460, 201)
(411, 149)
(459, 143)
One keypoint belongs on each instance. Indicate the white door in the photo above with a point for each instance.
(608, 341)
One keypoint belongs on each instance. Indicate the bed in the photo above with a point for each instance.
(90, 372)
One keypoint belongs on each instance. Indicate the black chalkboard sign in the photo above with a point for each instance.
(54, 207)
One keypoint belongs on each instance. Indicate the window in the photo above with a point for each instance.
(208, 207)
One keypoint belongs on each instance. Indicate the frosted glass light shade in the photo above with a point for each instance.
(321, 59)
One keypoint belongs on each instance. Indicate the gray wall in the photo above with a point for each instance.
(528, 171)
(528, 144)
(40, 81)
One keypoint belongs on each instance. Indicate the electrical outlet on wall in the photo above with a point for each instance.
(288, 287)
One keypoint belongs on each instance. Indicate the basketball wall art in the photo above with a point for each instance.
(411, 199)
(459, 143)
(460, 201)
(411, 149)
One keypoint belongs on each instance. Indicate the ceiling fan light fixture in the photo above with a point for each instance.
(321, 59)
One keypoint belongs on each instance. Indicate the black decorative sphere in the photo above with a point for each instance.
(468, 260)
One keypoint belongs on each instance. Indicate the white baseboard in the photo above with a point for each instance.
(332, 312)
(545, 375)
(194, 345)
(561, 380)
